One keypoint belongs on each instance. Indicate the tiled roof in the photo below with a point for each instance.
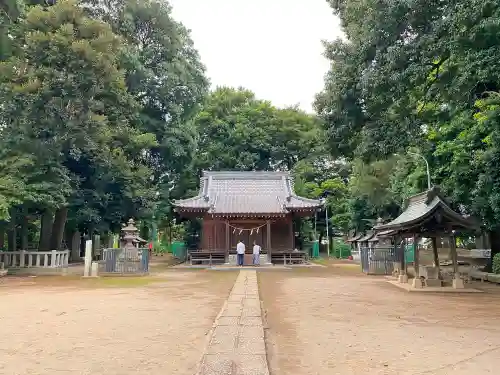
(382, 235)
(355, 238)
(421, 208)
(366, 237)
(247, 192)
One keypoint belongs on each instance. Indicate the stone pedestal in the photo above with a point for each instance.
(458, 283)
(417, 283)
(429, 272)
(94, 269)
(396, 269)
(232, 259)
(403, 279)
(264, 259)
(3, 271)
(434, 283)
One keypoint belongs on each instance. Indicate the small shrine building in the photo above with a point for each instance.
(247, 206)
(428, 215)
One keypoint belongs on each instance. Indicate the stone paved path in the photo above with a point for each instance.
(237, 344)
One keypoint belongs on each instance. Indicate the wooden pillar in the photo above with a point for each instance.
(2, 237)
(214, 231)
(436, 256)
(417, 282)
(228, 244)
(454, 256)
(268, 238)
(416, 256)
(292, 234)
(403, 278)
(402, 254)
(458, 283)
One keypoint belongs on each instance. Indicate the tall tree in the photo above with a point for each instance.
(416, 73)
(238, 131)
(163, 73)
(66, 103)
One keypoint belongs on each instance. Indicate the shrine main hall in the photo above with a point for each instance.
(247, 206)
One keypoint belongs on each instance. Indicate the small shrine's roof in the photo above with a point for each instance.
(366, 237)
(421, 208)
(355, 238)
(139, 239)
(247, 193)
(381, 235)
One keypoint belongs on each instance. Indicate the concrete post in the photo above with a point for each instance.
(88, 258)
(22, 258)
(53, 258)
(94, 272)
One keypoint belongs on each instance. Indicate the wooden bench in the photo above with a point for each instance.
(209, 257)
(288, 257)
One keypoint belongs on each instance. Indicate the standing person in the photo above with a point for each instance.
(256, 254)
(240, 251)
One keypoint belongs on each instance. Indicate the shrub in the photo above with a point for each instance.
(496, 263)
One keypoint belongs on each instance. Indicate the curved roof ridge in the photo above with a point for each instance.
(421, 207)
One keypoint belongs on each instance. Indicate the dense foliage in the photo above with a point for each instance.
(420, 74)
(97, 100)
(496, 264)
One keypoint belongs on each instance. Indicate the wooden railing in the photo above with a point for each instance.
(34, 259)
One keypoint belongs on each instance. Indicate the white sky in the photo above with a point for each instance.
(272, 47)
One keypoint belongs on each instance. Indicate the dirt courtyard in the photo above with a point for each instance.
(331, 321)
(109, 326)
(318, 321)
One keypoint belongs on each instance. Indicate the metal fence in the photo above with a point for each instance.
(379, 261)
(124, 261)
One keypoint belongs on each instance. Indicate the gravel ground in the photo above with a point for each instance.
(333, 322)
(101, 327)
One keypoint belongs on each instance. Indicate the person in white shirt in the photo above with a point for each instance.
(240, 251)
(256, 254)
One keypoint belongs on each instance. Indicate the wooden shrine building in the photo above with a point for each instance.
(428, 215)
(247, 206)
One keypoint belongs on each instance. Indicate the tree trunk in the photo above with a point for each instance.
(2, 235)
(58, 225)
(495, 246)
(11, 234)
(45, 231)
(110, 240)
(24, 231)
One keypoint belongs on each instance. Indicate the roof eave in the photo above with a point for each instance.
(451, 215)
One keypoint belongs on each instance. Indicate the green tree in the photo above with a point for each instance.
(10, 11)
(66, 103)
(238, 131)
(409, 76)
(164, 74)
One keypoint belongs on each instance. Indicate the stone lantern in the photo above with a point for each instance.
(129, 235)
